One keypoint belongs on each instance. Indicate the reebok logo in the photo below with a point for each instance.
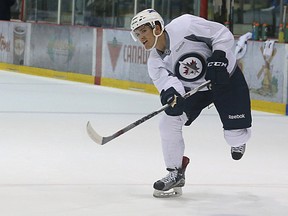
(217, 64)
(241, 116)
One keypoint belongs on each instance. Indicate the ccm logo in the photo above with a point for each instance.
(217, 64)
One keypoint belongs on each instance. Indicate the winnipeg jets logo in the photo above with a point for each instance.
(190, 67)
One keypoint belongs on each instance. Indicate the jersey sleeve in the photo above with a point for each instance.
(161, 77)
(216, 35)
(220, 38)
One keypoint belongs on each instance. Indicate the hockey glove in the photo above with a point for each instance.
(171, 96)
(217, 68)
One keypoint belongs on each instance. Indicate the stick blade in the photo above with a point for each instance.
(93, 134)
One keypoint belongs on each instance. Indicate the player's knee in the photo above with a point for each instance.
(172, 123)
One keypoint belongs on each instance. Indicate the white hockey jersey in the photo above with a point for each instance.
(190, 40)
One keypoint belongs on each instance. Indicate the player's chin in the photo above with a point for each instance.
(147, 46)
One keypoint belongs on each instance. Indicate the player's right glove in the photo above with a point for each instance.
(171, 96)
(217, 68)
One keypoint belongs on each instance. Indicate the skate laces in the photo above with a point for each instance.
(172, 175)
(239, 149)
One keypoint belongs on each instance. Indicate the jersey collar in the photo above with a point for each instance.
(167, 50)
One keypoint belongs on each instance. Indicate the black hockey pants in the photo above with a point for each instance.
(232, 102)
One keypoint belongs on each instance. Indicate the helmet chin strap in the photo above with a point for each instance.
(156, 39)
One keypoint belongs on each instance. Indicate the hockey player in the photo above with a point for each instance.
(184, 54)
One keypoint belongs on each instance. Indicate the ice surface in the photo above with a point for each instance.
(50, 167)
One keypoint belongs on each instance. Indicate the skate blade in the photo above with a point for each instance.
(173, 192)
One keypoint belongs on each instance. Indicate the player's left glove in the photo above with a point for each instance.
(171, 96)
(217, 68)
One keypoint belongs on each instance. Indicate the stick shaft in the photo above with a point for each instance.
(102, 140)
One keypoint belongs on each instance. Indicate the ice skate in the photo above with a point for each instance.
(171, 185)
(238, 152)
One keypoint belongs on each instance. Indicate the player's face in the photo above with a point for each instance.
(145, 35)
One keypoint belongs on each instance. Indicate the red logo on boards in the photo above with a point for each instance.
(114, 48)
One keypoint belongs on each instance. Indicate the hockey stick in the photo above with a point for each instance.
(104, 139)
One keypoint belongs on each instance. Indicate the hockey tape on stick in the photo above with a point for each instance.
(101, 140)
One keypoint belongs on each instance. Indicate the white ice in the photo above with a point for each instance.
(50, 167)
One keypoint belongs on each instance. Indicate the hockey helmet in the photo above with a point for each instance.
(144, 17)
